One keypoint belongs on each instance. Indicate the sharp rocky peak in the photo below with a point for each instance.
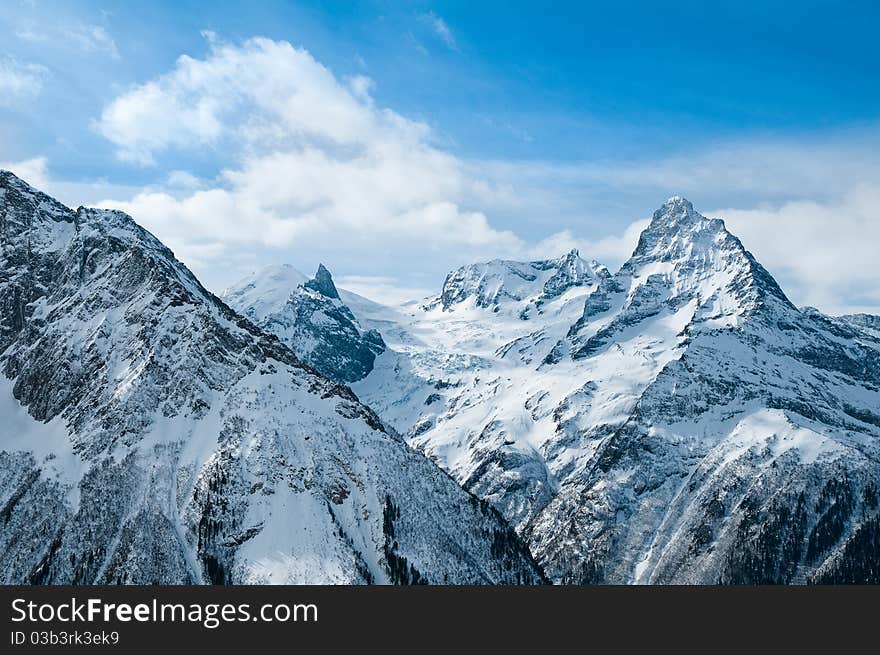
(323, 283)
(676, 208)
(696, 247)
(682, 259)
(309, 317)
(678, 231)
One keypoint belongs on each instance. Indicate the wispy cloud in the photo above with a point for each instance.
(422, 50)
(94, 38)
(20, 81)
(30, 35)
(84, 37)
(440, 29)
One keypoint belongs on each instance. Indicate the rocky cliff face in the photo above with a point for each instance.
(681, 421)
(153, 435)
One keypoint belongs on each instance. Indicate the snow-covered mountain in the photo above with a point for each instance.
(521, 286)
(151, 434)
(308, 316)
(448, 375)
(679, 421)
(867, 322)
(264, 292)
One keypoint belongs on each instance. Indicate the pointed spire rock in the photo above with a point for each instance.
(323, 283)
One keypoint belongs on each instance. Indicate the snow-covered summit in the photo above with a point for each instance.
(264, 292)
(684, 265)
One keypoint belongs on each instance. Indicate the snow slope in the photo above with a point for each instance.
(264, 292)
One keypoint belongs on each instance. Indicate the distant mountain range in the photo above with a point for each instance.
(678, 421)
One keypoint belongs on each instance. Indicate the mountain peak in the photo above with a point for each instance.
(265, 291)
(675, 226)
(323, 283)
(675, 211)
(489, 284)
(676, 200)
(9, 180)
(687, 250)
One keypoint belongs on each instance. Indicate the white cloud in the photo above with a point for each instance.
(183, 180)
(264, 94)
(382, 289)
(824, 254)
(311, 159)
(611, 250)
(440, 29)
(20, 81)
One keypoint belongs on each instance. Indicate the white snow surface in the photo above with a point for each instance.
(679, 421)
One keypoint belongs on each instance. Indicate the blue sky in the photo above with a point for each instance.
(394, 141)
